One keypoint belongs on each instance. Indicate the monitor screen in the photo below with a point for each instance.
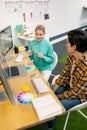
(6, 41)
(7, 89)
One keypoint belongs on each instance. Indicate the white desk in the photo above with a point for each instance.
(27, 38)
(30, 38)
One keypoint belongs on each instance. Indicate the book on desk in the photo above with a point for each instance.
(46, 107)
(39, 85)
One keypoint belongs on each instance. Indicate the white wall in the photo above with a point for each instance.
(64, 15)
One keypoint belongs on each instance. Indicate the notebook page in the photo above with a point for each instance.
(43, 101)
(46, 107)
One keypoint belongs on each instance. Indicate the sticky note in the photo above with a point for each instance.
(29, 68)
(30, 64)
(26, 88)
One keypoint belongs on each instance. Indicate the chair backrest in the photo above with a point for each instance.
(53, 81)
(56, 60)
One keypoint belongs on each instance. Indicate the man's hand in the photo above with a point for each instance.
(60, 96)
(55, 87)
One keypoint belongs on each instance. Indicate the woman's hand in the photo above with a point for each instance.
(30, 53)
(41, 55)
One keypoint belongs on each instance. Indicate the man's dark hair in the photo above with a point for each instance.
(79, 38)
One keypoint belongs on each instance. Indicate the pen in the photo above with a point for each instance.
(33, 75)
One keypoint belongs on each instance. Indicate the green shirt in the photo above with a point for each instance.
(77, 79)
(47, 50)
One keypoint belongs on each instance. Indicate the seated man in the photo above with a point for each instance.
(71, 86)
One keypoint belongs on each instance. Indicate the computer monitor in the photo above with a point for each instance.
(6, 41)
(7, 89)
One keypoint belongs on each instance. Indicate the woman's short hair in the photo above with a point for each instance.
(79, 38)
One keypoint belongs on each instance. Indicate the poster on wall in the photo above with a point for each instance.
(30, 10)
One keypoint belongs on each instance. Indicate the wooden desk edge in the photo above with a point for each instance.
(20, 108)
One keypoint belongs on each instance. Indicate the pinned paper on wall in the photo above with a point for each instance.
(29, 10)
(46, 16)
(13, 7)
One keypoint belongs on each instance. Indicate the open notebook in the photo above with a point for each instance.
(46, 107)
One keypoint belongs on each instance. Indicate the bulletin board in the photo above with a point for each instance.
(30, 10)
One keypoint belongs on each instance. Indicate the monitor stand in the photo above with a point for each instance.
(8, 56)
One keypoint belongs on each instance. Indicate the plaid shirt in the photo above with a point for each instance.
(76, 78)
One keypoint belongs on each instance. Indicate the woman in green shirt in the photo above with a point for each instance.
(41, 52)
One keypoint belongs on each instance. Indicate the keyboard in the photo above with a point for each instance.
(39, 85)
(19, 58)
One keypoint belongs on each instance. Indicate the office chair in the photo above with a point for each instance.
(54, 65)
(55, 77)
(55, 61)
(75, 108)
(78, 109)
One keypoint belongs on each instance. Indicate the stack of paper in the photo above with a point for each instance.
(46, 107)
(19, 58)
(39, 85)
